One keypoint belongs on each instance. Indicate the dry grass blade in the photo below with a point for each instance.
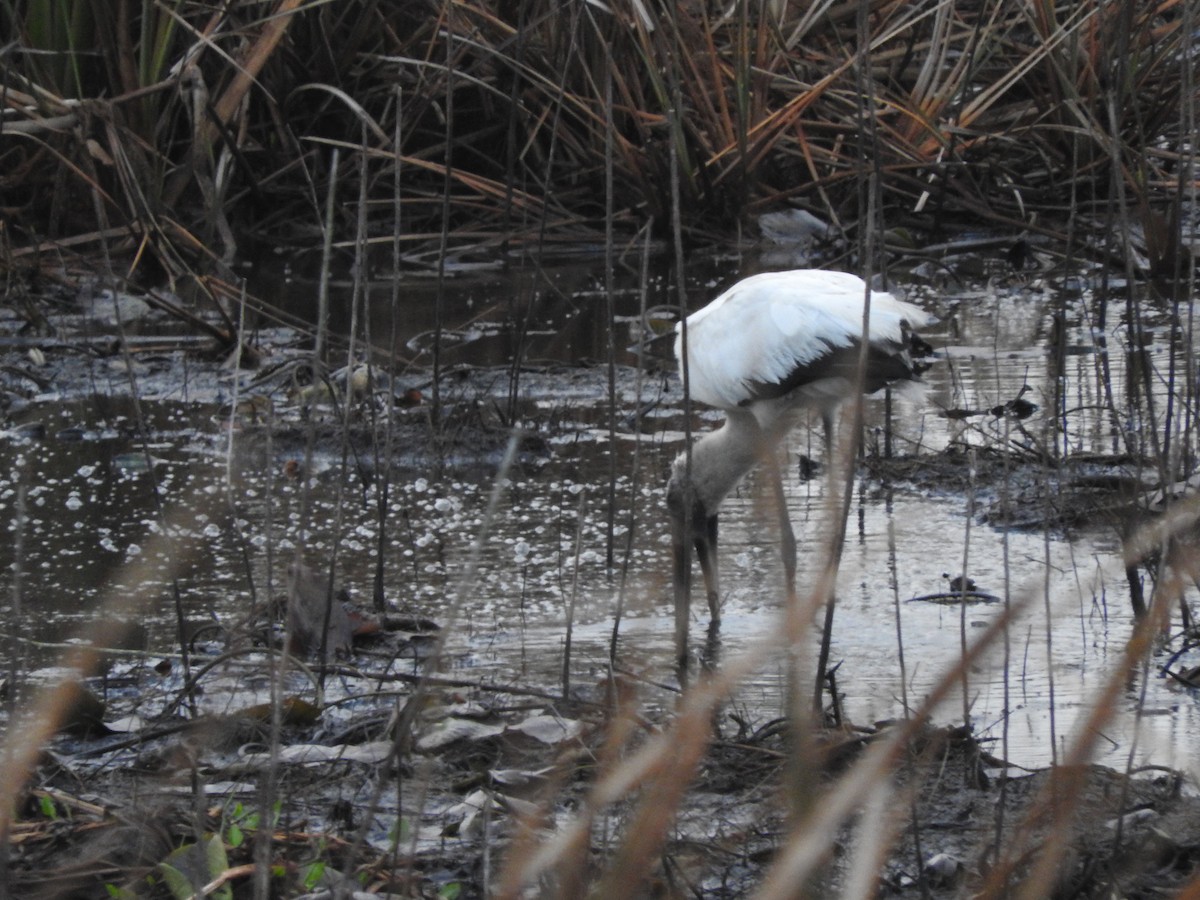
(256, 57)
(813, 836)
(666, 762)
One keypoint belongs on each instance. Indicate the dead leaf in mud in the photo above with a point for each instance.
(450, 730)
(518, 777)
(1189, 677)
(464, 817)
(1131, 820)
(226, 789)
(461, 817)
(548, 729)
(295, 712)
(313, 754)
(464, 709)
(126, 725)
(943, 869)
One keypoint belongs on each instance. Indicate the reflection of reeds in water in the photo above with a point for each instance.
(852, 805)
(849, 798)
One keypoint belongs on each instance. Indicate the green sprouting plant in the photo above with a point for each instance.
(192, 865)
(311, 874)
(46, 807)
(236, 822)
(400, 831)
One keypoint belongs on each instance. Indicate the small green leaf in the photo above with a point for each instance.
(451, 891)
(400, 830)
(47, 807)
(177, 883)
(235, 835)
(217, 862)
(313, 875)
(201, 862)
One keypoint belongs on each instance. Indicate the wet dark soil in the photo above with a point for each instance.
(1030, 490)
(464, 777)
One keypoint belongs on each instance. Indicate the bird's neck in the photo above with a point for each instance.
(720, 459)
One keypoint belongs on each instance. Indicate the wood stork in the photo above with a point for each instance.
(767, 350)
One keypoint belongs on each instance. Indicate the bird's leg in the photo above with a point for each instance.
(839, 480)
(787, 536)
(711, 654)
(706, 552)
(683, 592)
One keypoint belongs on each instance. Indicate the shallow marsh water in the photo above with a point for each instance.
(90, 510)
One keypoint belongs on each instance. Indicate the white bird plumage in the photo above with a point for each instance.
(765, 351)
(765, 327)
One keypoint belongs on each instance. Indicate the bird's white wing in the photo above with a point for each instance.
(766, 328)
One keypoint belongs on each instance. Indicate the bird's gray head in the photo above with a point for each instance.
(684, 503)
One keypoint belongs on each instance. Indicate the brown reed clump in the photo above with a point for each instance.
(196, 131)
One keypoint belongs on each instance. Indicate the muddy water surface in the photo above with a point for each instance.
(246, 490)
